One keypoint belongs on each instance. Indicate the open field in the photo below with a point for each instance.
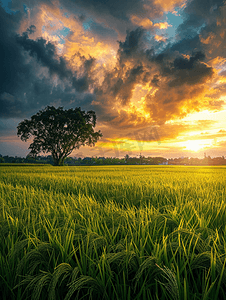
(114, 233)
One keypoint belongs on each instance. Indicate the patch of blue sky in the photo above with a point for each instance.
(60, 33)
(87, 24)
(25, 8)
(173, 20)
(6, 4)
(43, 28)
(168, 34)
(67, 15)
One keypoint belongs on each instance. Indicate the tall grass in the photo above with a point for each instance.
(126, 232)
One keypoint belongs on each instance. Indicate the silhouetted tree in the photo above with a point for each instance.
(59, 131)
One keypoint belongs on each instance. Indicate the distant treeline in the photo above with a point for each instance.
(127, 160)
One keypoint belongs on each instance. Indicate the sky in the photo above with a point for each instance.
(154, 71)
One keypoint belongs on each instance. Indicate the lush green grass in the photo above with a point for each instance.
(117, 233)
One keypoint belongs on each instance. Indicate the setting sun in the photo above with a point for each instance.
(197, 145)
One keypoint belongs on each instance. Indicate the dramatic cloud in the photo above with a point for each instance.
(175, 84)
(22, 89)
(118, 58)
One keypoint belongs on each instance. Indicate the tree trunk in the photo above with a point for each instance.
(58, 161)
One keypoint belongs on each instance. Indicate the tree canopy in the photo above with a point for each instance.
(59, 132)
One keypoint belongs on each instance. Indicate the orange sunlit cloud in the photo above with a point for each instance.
(145, 22)
(163, 25)
(170, 4)
(160, 38)
(134, 64)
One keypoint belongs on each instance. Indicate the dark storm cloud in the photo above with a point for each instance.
(179, 79)
(14, 72)
(169, 63)
(133, 44)
(118, 9)
(111, 17)
(181, 83)
(201, 20)
(204, 30)
(120, 82)
(190, 71)
(184, 63)
(179, 72)
(188, 44)
(155, 80)
(46, 53)
(199, 12)
(103, 32)
(23, 91)
(82, 83)
(18, 5)
(180, 69)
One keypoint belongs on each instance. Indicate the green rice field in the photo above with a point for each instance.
(112, 232)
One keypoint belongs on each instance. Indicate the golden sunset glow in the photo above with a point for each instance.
(196, 145)
(133, 64)
(163, 25)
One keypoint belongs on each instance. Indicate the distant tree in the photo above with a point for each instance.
(59, 132)
(126, 158)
